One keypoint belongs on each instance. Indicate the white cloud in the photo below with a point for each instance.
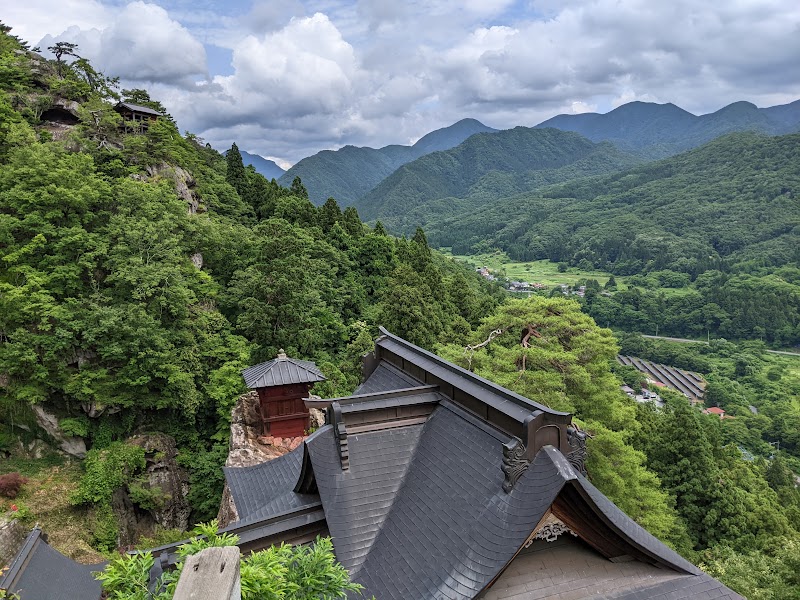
(32, 20)
(579, 107)
(141, 43)
(373, 72)
(144, 43)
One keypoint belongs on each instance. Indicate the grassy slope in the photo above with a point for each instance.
(45, 500)
(535, 271)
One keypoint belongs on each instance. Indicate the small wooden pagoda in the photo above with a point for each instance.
(282, 384)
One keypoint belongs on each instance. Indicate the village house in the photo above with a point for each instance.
(715, 410)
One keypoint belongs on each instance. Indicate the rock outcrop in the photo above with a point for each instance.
(184, 181)
(74, 446)
(12, 536)
(248, 447)
(165, 481)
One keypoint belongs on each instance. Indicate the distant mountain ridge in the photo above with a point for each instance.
(482, 168)
(350, 172)
(661, 130)
(266, 167)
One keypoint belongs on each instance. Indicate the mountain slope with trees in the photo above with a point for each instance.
(660, 130)
(263, 166)
(140, 271)
(483, 168)
(350, 172)
(730, 203)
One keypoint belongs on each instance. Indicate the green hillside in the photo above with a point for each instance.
(350, 172)
(731, 202)
(483, 168)
(141, 271)
(660, 130)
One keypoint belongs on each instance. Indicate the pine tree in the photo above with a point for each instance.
(298, 189)
(352, 222)
(236, 174)
(329, 214)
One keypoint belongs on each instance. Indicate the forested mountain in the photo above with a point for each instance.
(483, 168)
(265, 167)
(728, 204)
(648, 130)
(350, 172)
(660, 130)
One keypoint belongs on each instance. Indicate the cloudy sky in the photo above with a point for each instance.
(287, 78)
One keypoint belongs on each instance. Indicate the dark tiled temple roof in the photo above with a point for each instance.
(281, 371)
(386, 377)
(700, 586)
(357, 503)
(491, 394)
(40, 572)
(139, 108)
(412, 476)
(267, 489)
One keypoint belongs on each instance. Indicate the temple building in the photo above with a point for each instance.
(136, 118)
(283, 384)
(434, 483)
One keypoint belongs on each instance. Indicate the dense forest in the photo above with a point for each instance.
(731, 204)
(709, 238)
(483, 168)
(141, 270)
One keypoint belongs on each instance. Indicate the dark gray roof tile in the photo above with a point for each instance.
(281, 371)
(386, 378)
(40, 572)
(139, 108)
(266, 489)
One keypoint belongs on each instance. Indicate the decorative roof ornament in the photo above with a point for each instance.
(550, 530)
(514, 463)
(577, 441)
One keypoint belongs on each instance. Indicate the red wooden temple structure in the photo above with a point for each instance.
(282, 384)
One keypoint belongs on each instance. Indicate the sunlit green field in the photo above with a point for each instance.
(535, 271)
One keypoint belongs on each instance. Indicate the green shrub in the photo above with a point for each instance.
(146, 497)
(106, 470)
(278, 573)
(206, 479)
(104, 528)
(75, 426)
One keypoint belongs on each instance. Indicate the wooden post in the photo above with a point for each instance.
(212, 574)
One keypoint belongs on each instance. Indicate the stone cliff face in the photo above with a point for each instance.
(165, 481)
(185, 184)
(12, 536)
(248, 447)
(74, 446)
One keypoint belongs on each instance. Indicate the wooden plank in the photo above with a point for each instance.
(212, 574)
